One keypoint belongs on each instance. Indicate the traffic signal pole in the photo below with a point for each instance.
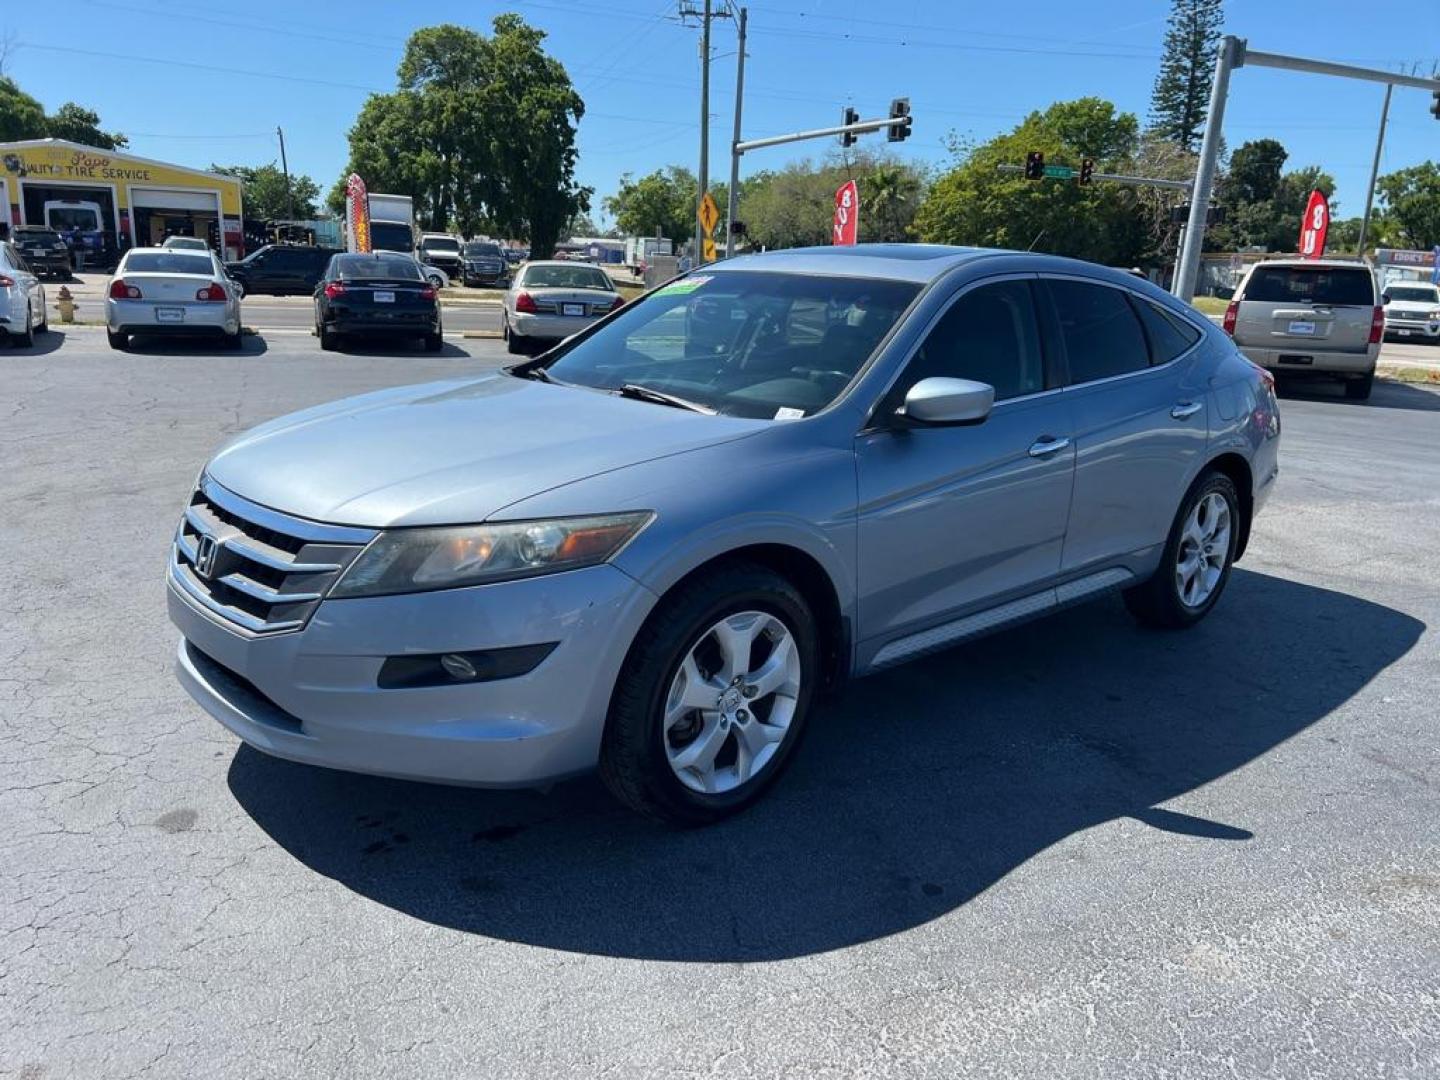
(1114, 178)
(1374, 170)
(1235, 53)
(734, 201)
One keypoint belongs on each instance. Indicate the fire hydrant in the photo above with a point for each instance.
(66, 303)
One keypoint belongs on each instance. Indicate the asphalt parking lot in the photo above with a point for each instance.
(1077, 849)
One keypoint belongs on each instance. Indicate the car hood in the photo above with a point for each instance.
(1414, 308)
(447, 453)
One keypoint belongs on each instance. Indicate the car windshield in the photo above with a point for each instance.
(1340, 285)
(167, 262)
(566, 277)
(742, 342)
(391, 236)
(1414, 294)
(482, 249)
(72, 217)
(37, 236)
(377, 268)
(440, 243)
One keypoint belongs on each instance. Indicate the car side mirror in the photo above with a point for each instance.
(942, 401)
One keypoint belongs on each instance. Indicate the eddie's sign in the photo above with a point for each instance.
(847, 214)
(1314, 225)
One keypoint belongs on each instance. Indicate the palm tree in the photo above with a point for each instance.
(888, 196)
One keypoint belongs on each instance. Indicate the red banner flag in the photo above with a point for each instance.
(847, 214)
(1314, 225)
(357, 215)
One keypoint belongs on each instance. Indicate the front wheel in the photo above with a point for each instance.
(1197, 559)
(713, 697)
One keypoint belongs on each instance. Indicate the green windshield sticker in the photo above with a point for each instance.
(684, 285)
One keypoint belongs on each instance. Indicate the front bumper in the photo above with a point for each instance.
(311, 695)
(49, 264)
(198, 318)
(549, 327)
(1412, 328)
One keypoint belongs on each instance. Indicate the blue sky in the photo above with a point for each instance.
(968, 67)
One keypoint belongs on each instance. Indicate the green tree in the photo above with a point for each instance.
(1182, 89)
(21, 116)
(480, 132)
(1411, 199)
(79, 124)
(1254, 172)
(662, 201)
(1291, 195)
(795, 206)
(975, 204)
(889, 196)
(265, 196)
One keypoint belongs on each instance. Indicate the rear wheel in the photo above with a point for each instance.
(1197, 559)
(27, 339)
(120, 342)
(713, 697)
(1359, 389)
(434, 342)
(329, 340)
(515, 346)
(233, 342)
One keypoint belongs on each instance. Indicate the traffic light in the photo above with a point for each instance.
(1034, 165)
(848, 116)
(899, 109)
(1435, 107)
(1087, 169)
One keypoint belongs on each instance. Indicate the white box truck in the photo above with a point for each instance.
(392, 223)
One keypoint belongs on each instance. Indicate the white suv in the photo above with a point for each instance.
(1412, 310)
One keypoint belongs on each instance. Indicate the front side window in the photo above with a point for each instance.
(730, 340)
(988, 335)
(1102, 336)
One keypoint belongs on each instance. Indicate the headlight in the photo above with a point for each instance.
(417, 560)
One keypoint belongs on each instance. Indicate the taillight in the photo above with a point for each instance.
(211, 292)
(120, 291)
(427, 293)
(525, 302)
(6, 282)
(1231, 314)
(1377, 325)
(334, 289)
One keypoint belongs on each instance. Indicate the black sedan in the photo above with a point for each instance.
(380, 294)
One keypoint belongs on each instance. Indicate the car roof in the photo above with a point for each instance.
(34, 228)
(568, 264)
(1301, 261)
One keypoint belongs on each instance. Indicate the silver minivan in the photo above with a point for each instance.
(1310, 316)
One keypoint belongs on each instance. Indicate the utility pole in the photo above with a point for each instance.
(285, 168)
(734, 203)
(1374, 170)
(706, 15)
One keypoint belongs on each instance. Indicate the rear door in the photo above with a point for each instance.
(1140, 424)
(1324, 308)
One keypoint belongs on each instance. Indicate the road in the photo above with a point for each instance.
(1077, 849)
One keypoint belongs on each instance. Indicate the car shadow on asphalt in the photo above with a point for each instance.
(915, 791)
(1385, 394)
(399, 348)
(141, 345)
(45, 343)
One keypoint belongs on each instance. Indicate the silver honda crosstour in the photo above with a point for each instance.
(650, 548)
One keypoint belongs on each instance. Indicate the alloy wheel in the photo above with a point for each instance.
(731, 702)
(1204, 549)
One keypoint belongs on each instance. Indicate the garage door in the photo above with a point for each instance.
(170, 199)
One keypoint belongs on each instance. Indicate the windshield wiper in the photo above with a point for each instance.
(660, 397)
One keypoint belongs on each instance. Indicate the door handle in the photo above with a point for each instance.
(1185, 410)
(1043, 448)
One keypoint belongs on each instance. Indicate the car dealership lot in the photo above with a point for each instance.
(1077, 848)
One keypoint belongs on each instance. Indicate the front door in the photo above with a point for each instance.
(953, 519)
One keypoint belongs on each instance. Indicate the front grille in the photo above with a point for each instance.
(260, 570)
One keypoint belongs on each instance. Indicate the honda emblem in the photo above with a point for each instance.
(206, 551)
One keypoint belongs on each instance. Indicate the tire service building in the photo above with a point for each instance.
(111, 200)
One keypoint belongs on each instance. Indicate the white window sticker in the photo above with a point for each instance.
(785, 412)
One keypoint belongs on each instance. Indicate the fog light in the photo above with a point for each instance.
(457, 666)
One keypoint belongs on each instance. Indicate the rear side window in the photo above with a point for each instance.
(1338, 285)
(1101, 333)
(168, 262)
(1169, 334)
(989, 335)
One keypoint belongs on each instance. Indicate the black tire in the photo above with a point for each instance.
(233, 342)
(633, 763)
(1157, 602)
(329, 341)
(1359, 389)
(434, 342)
(27, 339)
(515, 346)
(43, 327)
(119, 342)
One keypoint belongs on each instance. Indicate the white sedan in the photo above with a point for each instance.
(22, 299)
(174, 294)
(549, 301)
